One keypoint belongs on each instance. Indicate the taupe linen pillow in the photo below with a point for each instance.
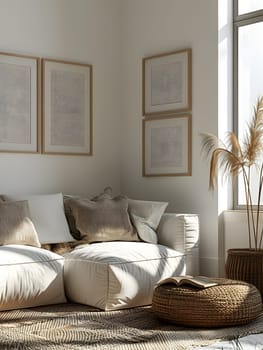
(103, 220)
(16, 226)
(69, 216)
(106, 194)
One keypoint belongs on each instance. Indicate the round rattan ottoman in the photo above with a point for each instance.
(226, 304)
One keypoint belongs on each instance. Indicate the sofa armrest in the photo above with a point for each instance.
(181, 232)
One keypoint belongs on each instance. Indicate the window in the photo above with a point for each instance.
(248, 71)
(248, 6)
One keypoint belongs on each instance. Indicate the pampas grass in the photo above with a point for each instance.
(234, 158)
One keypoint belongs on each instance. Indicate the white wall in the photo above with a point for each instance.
(114, 36)
(77, 30)
(151, 27)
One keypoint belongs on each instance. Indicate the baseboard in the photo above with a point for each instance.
(209, 266)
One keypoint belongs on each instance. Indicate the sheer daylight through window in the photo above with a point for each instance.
(248, 77)
(246, 6)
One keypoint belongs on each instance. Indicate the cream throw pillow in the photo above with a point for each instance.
(103, 220)
(16, 226)
(48, 216)
(145, 232)
(146, 216)
(149, 210)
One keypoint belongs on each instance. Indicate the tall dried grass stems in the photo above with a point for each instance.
(234, 158)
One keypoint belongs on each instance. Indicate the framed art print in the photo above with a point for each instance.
(67, 107)
(167, 83)
(167, 146)
(19, 103)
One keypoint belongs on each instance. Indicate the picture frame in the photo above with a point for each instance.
(167, 83)
(67, 107)
(19, 108)
(167, 146)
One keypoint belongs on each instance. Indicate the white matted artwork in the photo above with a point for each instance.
(167, 83)
(167, 146)
(18, 103)
(67, 107)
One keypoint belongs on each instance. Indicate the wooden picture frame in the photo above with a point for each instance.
(67, 107)
(167, 146)
(19, 107)
(167, 83)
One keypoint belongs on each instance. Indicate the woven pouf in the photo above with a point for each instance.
(226, 304)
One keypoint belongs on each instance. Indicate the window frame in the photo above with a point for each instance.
(239, 21)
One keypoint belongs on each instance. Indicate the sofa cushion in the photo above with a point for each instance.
(146, 216)
(16, 226)
(117, 275)
(30, 277)
(48, 216)
(103, 220)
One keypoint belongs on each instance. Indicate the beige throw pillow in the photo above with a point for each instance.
(145, 232)
(16, 226)
(103, 220)
(106, 194)
(69, 216)
(151, 211)
(48, 216)
(146, 216)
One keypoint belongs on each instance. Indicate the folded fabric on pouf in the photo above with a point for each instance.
(30, 277)
(118, 275)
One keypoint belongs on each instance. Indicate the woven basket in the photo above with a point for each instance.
(229, 303)
(246, 265)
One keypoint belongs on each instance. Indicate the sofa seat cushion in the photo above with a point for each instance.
(30, 276)
(117, 275)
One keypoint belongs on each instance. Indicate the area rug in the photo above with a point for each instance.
(78, 327)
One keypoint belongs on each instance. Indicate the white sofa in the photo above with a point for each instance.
(107, 275)
(114, 275)
(30, 276)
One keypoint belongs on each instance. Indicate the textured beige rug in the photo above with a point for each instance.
(72, 327)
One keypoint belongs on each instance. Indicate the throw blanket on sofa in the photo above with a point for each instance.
(62, 248)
